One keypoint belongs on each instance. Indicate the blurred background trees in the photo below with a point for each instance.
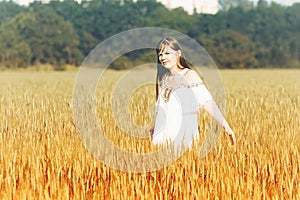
(240, 35)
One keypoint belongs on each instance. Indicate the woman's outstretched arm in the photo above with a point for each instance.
(211, 107)
(206, 102)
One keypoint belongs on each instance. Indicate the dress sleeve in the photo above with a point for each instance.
(204, 98)
(200, 91)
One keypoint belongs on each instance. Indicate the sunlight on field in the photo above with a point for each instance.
(42, 156)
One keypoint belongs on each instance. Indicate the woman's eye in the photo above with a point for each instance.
(166, 53)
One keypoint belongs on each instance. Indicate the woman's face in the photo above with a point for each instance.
(169, 58)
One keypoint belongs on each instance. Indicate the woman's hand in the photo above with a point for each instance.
(231, 135)
(151, 131)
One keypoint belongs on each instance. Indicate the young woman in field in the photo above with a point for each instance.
(180, 96)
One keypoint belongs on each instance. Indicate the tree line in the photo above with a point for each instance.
(241, 35)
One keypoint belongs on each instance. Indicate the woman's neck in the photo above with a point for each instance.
(175, 70)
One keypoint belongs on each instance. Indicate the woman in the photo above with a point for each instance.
(181, 95)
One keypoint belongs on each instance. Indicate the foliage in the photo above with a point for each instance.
(231, 49)
(9, 9)
(240, 35)
(38, 37)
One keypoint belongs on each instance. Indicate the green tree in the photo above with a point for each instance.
(228, 4)
(13, 54)
(176, 19)
(51, 39)
(231, 49)
(65, 31)
(9, 9)
(81, 18)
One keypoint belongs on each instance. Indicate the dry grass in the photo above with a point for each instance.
(42, 157)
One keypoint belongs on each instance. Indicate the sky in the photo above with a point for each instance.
(203, 6)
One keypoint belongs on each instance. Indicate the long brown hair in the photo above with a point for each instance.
(161, 46)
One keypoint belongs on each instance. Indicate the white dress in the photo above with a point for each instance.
(177, 114)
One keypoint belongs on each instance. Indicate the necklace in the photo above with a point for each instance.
(170, 83)
(166, 94)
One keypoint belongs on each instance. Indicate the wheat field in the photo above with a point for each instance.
(42, 156)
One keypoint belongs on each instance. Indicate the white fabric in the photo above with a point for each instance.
(177, 118)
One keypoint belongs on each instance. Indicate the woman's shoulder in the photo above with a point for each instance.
(192, 77)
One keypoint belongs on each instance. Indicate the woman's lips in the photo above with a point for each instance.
(164, 62)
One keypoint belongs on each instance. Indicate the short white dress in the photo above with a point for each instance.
(177, 109)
